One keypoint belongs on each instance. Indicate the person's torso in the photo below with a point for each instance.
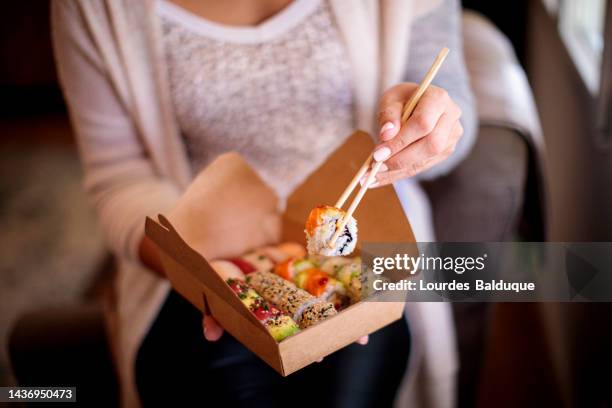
(279, 93)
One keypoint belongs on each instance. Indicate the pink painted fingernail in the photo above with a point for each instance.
(382, 154)
(388, 131)
(374, 184)
(383, 167)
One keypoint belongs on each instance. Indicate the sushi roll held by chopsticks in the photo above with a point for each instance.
(331, 231)
(321, 228)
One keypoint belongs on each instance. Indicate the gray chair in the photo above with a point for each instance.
(496, 194)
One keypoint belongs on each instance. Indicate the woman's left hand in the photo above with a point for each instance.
(427, 138)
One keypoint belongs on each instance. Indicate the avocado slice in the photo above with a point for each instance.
(281, 327)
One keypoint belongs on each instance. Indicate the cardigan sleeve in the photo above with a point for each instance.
(120, 179)
(429, 33)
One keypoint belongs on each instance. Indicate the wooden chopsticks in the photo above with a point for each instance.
(406, 112)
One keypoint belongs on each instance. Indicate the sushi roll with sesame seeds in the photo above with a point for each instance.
(278, 323)
(320, 228)
(293, 299)
(289, 298)
(315, 313)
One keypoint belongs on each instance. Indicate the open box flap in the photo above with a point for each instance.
(380, 216)
(168, 240)
(227, 210)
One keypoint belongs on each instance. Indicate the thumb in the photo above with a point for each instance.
(212, 330)
(363, 340)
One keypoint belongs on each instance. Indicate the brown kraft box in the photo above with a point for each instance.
(228, 210)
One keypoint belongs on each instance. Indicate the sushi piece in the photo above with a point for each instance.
(259, 260)
(278, 324)
(305, 274)
(275, 254)
(317, 312)
(245, 267)
(247, 295)
(292, 249)
(289, 298)
(281, 292)
(292, 266)
(331, 264)
(350, 275)
(320, 228)
(227, 270)
(318, 283)
(295, 300)
(281, 327)
(349, 272)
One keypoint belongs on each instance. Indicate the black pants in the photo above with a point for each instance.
(176, 365)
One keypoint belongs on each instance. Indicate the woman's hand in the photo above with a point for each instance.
(427, 138)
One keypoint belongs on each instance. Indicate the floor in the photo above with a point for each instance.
(50, 246)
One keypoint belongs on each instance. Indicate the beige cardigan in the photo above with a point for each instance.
(135, 162)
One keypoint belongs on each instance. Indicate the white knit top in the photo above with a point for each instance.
(279, 93)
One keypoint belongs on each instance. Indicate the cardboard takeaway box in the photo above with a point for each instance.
(228, 211)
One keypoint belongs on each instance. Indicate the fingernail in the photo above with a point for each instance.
(387, 131)
(374, 184)
(382, 154)
(386, 126)
(383, 167)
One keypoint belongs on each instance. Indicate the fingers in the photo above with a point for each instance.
(363, 340)
(390, 110)
(212, 330)
(433, 104)
(388, 177)
(383, 167)
(414, 156)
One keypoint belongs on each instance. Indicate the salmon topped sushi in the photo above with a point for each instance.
(320, 228)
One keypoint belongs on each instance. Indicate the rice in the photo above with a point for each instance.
(298, 303)
(315, 313)
(320, 228)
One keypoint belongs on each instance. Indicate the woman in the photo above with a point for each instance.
(158, 88)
